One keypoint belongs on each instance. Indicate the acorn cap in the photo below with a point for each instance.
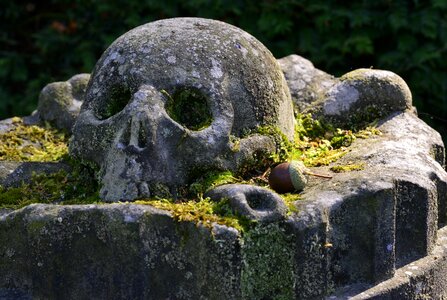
(297, 172)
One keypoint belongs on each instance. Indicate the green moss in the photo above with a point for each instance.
(316, 143)
(203, 211)
(367, 115)
(290, 199)
(210, 180)
(119, 97)
(283, 145)
(268, 270)
(32, 143)
(76, 187)
(307, 127)
(347, 168)
(189, 107)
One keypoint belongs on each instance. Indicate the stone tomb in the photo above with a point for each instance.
(375, 232)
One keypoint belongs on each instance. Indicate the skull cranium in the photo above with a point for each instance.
(169, 97)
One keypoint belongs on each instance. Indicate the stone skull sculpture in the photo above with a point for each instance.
(174, 98)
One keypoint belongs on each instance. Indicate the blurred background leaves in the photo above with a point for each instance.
(46, 41)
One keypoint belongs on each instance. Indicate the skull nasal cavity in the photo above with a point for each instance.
(189, 108)
(117, 100)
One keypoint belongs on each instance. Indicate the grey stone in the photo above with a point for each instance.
(374, 220)
(358, 96)
(307, 84)
(127, 124)
(365, 93)
(60, 102)
(253, 202)
(13, 174)
(375, 233)
(115, 251)
(425, 278)
(367, 234)
(127, 251)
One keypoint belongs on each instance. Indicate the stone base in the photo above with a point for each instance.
(425, 278)
(126, 251)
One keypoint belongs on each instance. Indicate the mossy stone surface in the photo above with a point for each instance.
(115, 252)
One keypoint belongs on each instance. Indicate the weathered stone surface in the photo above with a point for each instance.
(253, 202)
(307, 84)
(13, 174)
(134, 117)
(375, 224)
(60, 102)
(126, 251)
(360, 95)
(425, 278)
(365, 224)
(115, 252)
(364, 93)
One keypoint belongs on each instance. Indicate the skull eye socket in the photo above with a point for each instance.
(189, 107)
(118, 99)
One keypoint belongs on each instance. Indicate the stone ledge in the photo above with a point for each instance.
(425, 278)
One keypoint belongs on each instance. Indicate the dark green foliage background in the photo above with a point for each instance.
(42, 42)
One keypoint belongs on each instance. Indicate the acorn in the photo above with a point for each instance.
(288, 177)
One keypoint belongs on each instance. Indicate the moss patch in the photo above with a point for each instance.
(316, 143)
(203, 211)
(189, 107)
(268, 271)
(289, 200)
(77, 187)
(347, 168)
(32, 143)
(210, 180)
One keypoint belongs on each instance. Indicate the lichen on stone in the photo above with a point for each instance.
(268, 270)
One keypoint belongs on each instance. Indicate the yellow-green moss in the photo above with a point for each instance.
(317, 143)
(290, 199)
(32, 143)
(347, 168)
(210, 180)
(75, 187)
(204, 211)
